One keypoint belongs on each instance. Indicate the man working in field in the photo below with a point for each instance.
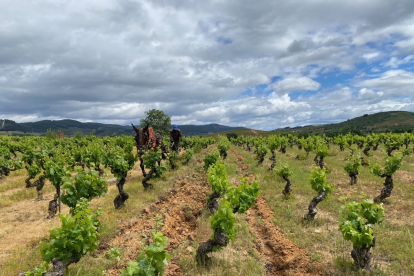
(175, 137)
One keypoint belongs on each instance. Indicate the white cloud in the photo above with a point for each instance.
(110, 61)
(393, 83)
(295, 83)
(395, 62)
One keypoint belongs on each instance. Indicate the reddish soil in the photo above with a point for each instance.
(282, 256)
(178, 210)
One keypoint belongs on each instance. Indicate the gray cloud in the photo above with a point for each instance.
(110, 61)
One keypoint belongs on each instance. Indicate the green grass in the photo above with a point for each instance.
(395, 247)
(392, 255)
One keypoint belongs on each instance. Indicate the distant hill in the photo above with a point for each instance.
(70, 127)
(394, 121)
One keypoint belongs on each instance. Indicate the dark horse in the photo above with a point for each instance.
(146, 139)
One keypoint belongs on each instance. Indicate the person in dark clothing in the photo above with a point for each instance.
(175, 137)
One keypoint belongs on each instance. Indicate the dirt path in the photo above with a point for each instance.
(177, 210)
(283, 257)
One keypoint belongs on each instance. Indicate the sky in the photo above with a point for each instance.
(257, 64)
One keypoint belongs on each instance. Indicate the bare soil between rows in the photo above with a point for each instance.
(178, 210)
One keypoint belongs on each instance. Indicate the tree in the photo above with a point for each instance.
(231, 135)
(158, 120)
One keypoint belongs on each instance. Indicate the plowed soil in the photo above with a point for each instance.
(178, 210)
(282, 256)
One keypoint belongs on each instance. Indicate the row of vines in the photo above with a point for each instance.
(75, 168)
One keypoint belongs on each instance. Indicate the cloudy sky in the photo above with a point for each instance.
(259, 64)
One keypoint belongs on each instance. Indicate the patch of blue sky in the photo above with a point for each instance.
(409, 66)
(386, 44)
(301, 94)
(334, 78)
(370, 68)
(253, 91)
(259, 89)
(224, 40)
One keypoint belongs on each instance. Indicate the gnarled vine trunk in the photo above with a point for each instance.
(59, 267)
(53, 206)
(213, 204)
(120, 199)
(273, 158)
(362, 256)
(38, 184)
(147, 178)
(354, 178)
(100, 171)
(261, 158)
(223, 154)
(319, 162)
(287, 190)
(4, 172)
(219, 238)
(390, 150)
(363, 163)
(316, 160)
(386, 191)
(141, 163)
(312, 206)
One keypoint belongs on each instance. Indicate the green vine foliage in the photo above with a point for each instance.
(308, 145)
(322, 149)
(38, 270)
(119, 162)
(284, 171)
(261, 149)
(353, 166)
(92, 154)
(188, 155)
(151, 261)
(151, 158)
(224, 220)
(223, 143)
(87, 185)
(392, 164)
(77, 235)
(318, 181)
(33, 170)
(172, 158)
(57, 171)
(217, 177)
(210, 159)
(354, 219)
(273, 142)
(244, 196)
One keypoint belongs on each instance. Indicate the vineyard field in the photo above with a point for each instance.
(272, 238)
